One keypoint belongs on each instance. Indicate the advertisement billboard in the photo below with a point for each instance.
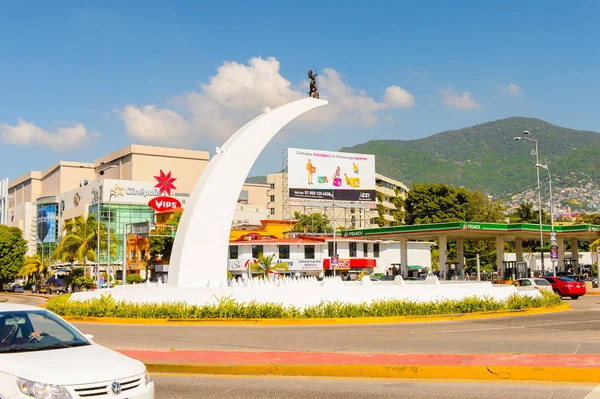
(46, 223)
(334, 176)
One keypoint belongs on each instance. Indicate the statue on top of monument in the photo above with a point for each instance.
(313, 92)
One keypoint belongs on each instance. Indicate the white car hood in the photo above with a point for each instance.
(71, 366)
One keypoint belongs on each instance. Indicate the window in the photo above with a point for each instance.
(256, 250)
(233, 252)
(330, 251)
(272, 198)
(550, 280)
(272, 186)
(353, 250)
(365, 249)
(376, 250)
(284, 251)
(142, 254)
(272, 211)
(309, 252)
(132, 254)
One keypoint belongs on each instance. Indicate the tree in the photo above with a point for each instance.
(12, 252)
(33, 267)
(264, 264)
(160, 244)
(314, 223)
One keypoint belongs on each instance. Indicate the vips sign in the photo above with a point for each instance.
(160, 204)
(324, 175)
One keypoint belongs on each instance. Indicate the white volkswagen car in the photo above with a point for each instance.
(44, 357)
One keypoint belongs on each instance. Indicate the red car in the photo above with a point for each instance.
(564, 286)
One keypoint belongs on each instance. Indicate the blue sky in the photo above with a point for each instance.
(79, 80)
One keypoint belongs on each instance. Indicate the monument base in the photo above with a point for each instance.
(302, 292)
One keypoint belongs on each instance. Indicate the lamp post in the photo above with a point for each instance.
(537, 161)
(100, 173)
(552, 233)
(108, 275)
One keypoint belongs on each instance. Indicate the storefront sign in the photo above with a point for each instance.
(303, 264)
(160, 204)
(165, 183)
(351, 263)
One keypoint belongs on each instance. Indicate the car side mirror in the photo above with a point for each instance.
(89, 337)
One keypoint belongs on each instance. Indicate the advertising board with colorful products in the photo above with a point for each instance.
(335, 176)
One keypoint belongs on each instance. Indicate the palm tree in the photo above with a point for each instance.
(81, 240)
(264, 264)
(33, 266)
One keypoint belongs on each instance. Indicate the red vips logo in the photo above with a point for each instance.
(165, 185)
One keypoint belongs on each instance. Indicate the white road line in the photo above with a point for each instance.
(595, 394)
(518, 327)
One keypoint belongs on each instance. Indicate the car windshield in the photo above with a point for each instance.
(566, 279)
(31, 330)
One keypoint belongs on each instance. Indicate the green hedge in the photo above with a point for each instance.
(106, 306)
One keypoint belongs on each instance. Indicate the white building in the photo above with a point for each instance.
(310, 255)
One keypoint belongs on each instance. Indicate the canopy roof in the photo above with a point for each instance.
(476, 231)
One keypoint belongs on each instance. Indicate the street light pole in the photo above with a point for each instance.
(108, 274)
(537, 161)
(100, 173)
(552, 233)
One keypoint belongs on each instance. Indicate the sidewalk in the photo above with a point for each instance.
(531, 367)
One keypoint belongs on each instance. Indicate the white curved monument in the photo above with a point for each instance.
(201, 246)
(198, 265)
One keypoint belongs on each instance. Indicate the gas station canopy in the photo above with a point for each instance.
(476, 231)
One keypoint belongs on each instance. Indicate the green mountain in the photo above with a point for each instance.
(486, 157)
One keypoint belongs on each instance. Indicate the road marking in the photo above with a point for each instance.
(595, 394)
(518, 327)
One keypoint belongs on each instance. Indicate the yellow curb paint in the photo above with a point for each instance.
(300, 322)
(494, 373)
(593, 293)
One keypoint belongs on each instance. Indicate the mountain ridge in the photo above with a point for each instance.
(486, 157)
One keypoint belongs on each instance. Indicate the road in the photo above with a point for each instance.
(229, 387)
(575, 331)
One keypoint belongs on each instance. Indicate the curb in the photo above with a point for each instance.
(490, 373)
(300, 322)
(26, 294)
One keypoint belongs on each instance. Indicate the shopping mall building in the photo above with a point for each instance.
(120, 184)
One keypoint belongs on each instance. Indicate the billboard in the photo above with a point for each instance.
(46, 223)
(324, 175)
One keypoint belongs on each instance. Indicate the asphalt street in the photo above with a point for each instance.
(229, 387)
(575, 331)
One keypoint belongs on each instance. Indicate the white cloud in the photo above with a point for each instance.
(512, 90)
(27, 134)
(239, 92)
(397, 97)
(463, 101)
(155, 125)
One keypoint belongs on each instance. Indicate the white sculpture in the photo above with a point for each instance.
(201, 246)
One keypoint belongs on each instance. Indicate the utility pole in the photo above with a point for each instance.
(478, 268)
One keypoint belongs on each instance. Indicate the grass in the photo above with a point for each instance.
(106, 306)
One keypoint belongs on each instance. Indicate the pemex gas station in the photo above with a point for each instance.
(474, 231)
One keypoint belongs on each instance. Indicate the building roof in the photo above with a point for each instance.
(476, 231)
(151, 150)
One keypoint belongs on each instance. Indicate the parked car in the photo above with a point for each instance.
(79, 367)
(39, 288)
(564, 286)
(387, 278)
(535, 283)
(594, 281)
(16, 288)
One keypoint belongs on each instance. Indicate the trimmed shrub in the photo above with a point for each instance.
(226, 308)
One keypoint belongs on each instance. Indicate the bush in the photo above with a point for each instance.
(106, 306)
(134, 279)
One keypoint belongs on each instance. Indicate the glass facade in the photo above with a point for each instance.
(46, 228)
(120, 214)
